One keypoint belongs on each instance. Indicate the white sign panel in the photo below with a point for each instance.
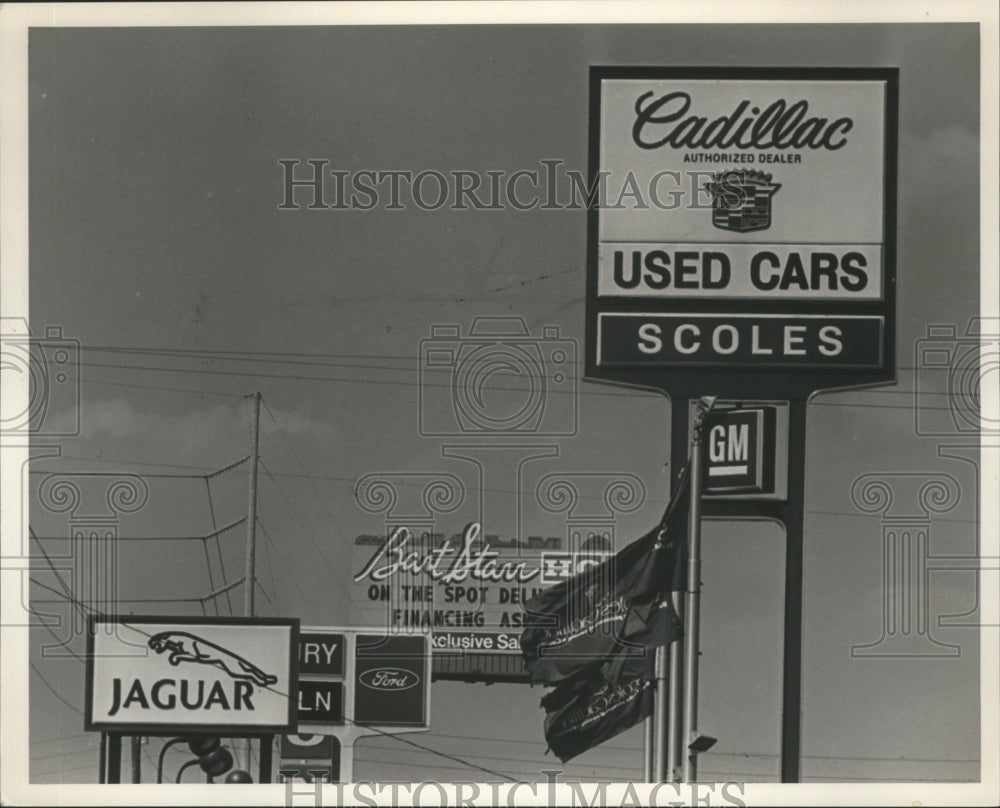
(167, 674)
(745, 189)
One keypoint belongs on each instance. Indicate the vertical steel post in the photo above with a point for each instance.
(250, 577)
(794, 519)
(675, 729)
(649, 743)
(692, 615)
(114, 757)
(102, 774)
(136, 748)
(266, 749)
(661, 714)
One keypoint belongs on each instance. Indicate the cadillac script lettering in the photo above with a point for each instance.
(664, 121)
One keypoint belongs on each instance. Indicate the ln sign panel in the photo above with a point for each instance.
(738, 450)
(742, 219)
(175, 674)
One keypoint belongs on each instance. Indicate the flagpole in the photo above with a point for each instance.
(649, 747)
(691, 616)
(675, 705)
(661, 707)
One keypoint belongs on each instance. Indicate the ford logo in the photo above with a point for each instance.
(389, 679)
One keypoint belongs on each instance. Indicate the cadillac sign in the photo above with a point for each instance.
(175, 674)
(746, 221)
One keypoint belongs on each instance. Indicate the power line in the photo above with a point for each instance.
(298, 460)
(212, 472)
(306, 530)
(63, 771)
(454, 758)
(88, 380)
(281, 356)
(60, 738)
(52, 690)
(427, 384)
(212, 535)
(296, 588)
(899, 759)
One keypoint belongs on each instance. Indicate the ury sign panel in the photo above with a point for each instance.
(743, 220)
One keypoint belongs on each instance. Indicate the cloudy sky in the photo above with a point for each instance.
(158, 243)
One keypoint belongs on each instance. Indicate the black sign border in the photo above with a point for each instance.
(748, 380)
(227, 730)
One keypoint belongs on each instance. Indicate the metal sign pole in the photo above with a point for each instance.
(649, 749)
(662, 712)
(675, 708)
(114, 757)
(691, 617)
(793, 518)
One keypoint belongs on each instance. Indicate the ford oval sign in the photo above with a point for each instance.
(389, 679)
(392, 680)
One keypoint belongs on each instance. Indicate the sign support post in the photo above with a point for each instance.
(664, 685)
(753, 286)
(114, 757)
(675, 703)
(793, 518)
(649, 748)
(692, 614)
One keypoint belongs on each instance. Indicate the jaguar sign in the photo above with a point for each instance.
(176, 674)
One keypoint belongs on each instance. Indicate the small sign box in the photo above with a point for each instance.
(321, 653)
(739, 451)
(320, 703)
(390, 679)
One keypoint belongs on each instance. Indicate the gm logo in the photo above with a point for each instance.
(393, 679)
(739, 450)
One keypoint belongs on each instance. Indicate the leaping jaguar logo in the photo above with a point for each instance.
(185, 647)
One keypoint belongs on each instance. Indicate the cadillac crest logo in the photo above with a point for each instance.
(741, 200)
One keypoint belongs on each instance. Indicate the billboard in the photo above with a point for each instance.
(466, 590)
(188, 674)
(742, 220)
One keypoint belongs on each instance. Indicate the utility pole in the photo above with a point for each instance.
(250, 578)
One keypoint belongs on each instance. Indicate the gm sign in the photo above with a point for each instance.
(739, 451)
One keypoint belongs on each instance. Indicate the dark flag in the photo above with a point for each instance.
(588, 710)
(598, 620)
